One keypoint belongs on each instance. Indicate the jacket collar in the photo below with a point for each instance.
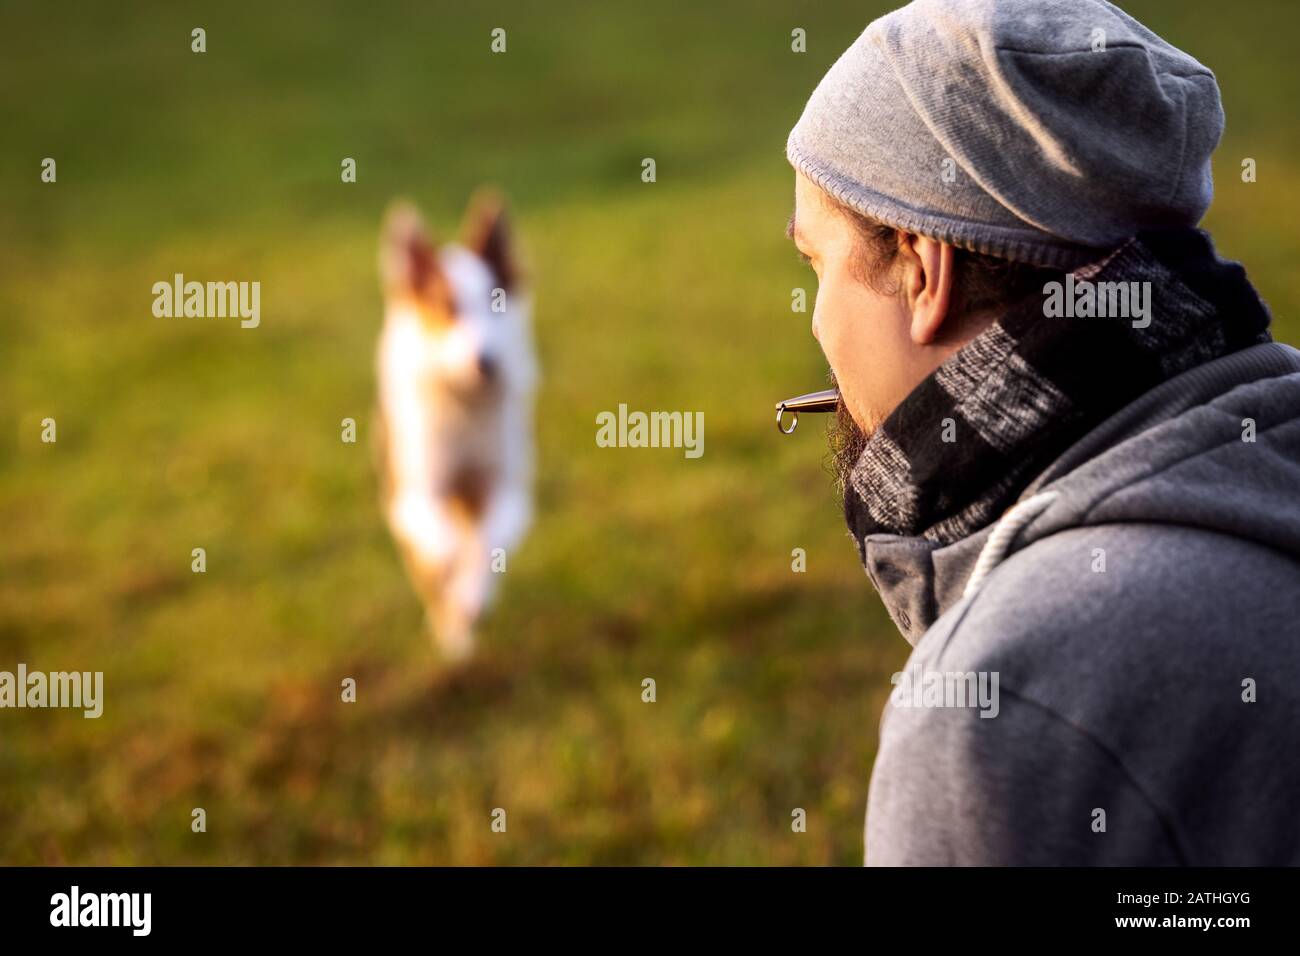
(919, 580)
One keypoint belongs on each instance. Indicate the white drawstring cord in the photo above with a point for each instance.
(1004, 532)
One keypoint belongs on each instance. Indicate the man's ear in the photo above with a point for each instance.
(408, 260)
(928, 282)
(487, 233)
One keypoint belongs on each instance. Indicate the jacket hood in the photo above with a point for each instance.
(1216, 448)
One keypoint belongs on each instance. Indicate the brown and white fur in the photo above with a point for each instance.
(456, 383)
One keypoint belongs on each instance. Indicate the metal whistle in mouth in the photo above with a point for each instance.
(823, 401)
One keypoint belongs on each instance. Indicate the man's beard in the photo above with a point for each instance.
(846, 441)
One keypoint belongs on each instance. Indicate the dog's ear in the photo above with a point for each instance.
(487, 233)
(408, 260)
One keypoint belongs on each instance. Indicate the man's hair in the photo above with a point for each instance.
(980, 282)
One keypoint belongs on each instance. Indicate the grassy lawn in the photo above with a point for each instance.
(222, 689)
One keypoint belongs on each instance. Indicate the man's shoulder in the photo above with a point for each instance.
(1113, 627)
(1129, 659)
(1142, 586)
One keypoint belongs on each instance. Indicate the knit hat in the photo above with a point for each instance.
(1042, 131)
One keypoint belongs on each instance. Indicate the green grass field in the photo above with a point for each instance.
(222, 689)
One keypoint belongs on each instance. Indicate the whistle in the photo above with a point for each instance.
(823, 401)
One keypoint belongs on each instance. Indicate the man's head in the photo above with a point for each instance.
(961, 152)
(892, 305)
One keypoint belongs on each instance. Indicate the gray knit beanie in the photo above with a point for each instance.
(1040, 131)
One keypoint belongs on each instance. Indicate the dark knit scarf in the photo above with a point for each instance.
(962, 446)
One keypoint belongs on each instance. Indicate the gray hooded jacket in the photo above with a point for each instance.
(1139, 609)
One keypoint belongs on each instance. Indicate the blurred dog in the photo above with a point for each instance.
(456, 380)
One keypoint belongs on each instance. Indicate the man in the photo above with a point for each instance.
(1070, 450)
